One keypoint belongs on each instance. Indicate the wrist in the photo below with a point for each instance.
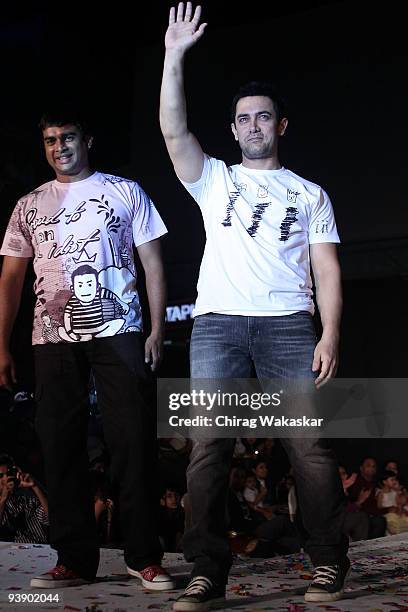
(175, 55)
(331, 332)
(157, 331)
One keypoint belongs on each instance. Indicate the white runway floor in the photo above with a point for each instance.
(378, 582)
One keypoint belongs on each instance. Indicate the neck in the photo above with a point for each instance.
(73, 178)
(265, 163)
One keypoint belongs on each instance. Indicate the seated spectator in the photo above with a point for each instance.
(356, 522)
(388, 492)
(171, 520)
(363, 494)
(104, 506)
(397, 522)
(239, 449)
(249, 532)
(23, 505)
(253, 493)
(393, 466)
(283, 487)
(260, 469)
(276, 459)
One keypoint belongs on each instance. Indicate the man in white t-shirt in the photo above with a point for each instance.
(80, 230)
(264, 226)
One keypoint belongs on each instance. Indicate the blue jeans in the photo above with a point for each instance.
(233, 346)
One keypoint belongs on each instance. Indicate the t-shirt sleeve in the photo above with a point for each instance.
(17, 239)
(147, 224)
(198, 189)
(322, 225)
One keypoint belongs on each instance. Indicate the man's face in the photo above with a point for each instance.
(4, 468)
(66, 150)
(256, 127)
(368, 469)
(85, 287)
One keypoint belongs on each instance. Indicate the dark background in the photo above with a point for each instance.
(341, 66)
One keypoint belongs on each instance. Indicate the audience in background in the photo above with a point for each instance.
(363, 494)
(262, 503)
(356, 522)
(23, 505)
(171, 520)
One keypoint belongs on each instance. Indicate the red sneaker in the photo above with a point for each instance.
(154, 577)
(58, 577)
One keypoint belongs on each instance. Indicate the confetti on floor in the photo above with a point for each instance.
(378, 582)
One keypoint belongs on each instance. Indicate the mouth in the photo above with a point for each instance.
(63, 159)
(255, 138)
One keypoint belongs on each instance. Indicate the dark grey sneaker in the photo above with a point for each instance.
(328, 582)
(201, 594)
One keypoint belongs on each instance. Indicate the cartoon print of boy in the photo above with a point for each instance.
(50, 327)
(92, 311)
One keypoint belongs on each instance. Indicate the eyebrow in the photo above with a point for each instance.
(63, 134)
(262, 112)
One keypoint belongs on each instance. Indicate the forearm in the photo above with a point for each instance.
(100, 506)
(157, 296)
(41, 497)
(2, 506)
(173, 113)
(10, 294)
(330, 302)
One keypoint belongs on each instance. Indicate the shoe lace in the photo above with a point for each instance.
(61, 570)
(325, 574)
(198, 586)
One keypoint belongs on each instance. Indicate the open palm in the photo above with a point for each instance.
(184, 29)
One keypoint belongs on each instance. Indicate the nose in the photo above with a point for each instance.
(253, 126)
(60, 144)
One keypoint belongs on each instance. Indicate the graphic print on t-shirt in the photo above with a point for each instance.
(259, 227)
(81, 236)
(93, 310)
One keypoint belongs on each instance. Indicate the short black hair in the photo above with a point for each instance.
(6, 459)
(65, 115)
(387, 474)
(85, 269)
(259, 88)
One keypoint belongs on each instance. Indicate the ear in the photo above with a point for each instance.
(234, 131)
(283, 124)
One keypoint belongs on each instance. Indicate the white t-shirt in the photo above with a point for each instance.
(250, 494)
(259, 224)
(81, 236)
